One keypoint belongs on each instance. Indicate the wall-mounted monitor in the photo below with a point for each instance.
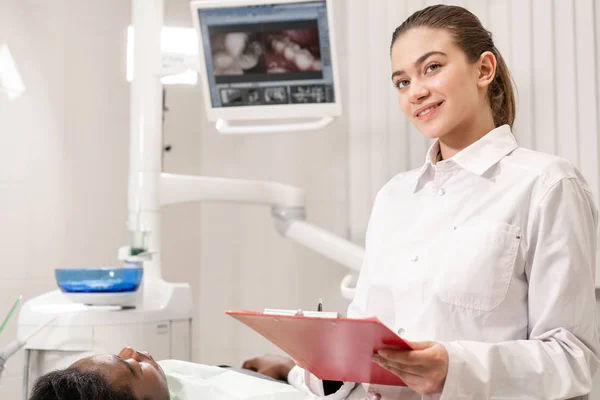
(267, 59)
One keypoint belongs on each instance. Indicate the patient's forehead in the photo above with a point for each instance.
(103, 359)
(105, 364)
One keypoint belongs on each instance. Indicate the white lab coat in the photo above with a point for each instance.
(491, 253)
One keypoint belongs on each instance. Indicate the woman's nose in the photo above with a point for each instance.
(418, 92)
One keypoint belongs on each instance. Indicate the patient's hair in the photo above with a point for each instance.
(73, 384)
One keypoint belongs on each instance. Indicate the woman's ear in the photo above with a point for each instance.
(487, 69)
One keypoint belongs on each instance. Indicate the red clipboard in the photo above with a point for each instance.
(337, 349)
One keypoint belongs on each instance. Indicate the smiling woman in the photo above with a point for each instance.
(460, 64)
(484, 256)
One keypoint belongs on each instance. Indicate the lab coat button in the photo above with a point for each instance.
(442, 191)
(414, 258)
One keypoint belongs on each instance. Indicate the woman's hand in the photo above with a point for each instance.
(423, 369)
(277, 367)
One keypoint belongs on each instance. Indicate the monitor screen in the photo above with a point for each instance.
(267, 54)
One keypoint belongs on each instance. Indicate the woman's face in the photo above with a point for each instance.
(136, 369)
(437, 87)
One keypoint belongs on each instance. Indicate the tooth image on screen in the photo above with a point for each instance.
(304, 60)
(237, 54)
(235, 43)
(293, 51)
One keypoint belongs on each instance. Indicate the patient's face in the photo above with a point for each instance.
(130, 367)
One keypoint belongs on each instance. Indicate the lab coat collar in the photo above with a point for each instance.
(479, 156)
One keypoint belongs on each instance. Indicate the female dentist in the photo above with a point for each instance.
(488, 250)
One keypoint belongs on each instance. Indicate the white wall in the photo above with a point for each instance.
(63, 148)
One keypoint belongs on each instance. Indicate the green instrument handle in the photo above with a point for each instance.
(10, 313)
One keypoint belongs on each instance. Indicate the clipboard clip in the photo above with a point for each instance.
(302, 313)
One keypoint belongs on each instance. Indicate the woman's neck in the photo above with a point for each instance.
(465, 135)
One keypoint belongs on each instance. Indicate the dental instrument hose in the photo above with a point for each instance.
(13, 347)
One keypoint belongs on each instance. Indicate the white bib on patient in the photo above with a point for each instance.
(190, 381)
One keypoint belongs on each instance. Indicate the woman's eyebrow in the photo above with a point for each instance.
(420, 61)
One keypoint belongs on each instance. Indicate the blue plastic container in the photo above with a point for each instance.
(99, 280)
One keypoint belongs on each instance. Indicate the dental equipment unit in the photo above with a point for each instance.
(92, 315)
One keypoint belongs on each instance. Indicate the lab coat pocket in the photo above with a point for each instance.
(477, 265)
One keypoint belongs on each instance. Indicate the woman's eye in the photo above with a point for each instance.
(432, 67)
(402, 83)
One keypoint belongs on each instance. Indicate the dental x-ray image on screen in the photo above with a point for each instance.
(270, 54)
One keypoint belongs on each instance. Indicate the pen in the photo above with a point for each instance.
(320, 306)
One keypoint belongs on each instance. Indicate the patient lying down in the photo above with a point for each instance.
(133, 375)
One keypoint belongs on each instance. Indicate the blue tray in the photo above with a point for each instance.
(99, 280)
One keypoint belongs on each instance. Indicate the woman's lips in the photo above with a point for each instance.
(428, 111)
